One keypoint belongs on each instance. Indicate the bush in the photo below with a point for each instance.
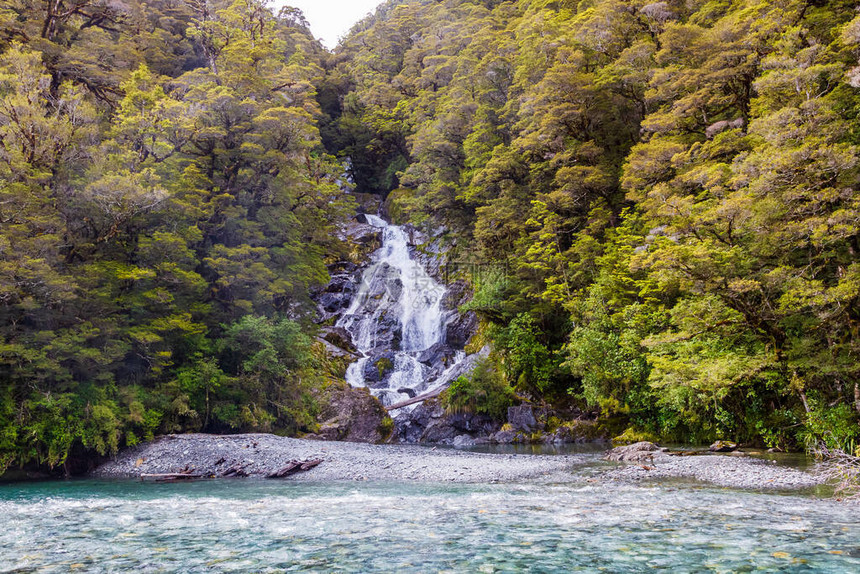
(832, 427)
(485, 392)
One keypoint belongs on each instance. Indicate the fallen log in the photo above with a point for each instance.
(171, 477)
(420, 398)
(293, 467)
(311, 463)
(237, 471)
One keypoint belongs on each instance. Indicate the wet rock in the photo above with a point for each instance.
(430, 423)
(378, 368)
(522, 418)
(336, 296)
(457, 293)
(342, 283)
(464, 440)
(504, 437)
(438, 354)
(577, 431)
(459, 331)
(723, 446)
(339, 337)
(639, 452)
(351, 414)
(387, 333)
(393, 285)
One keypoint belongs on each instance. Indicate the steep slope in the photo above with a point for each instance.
(661, 197)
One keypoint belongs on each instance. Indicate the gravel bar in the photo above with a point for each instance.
(262, 454)
(722, 470)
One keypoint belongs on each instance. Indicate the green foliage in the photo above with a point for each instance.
(661, 198)
(631, 435)
(484, 392)
(165, 201)
(834, 427)
(527, 362)
(669, 188)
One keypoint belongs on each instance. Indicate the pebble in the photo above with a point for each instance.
(341, 460)
(361, 461)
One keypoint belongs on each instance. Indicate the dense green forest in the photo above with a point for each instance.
(662, 198)
(667, 190)
(165, 208)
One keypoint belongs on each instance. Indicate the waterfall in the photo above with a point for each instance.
(397, 324)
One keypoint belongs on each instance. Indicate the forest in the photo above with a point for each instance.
(662, 198)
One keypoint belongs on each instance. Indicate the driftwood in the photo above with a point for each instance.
(237, 470)
(293, 467)
(171, 477)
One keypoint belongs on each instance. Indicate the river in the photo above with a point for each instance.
(273, 526)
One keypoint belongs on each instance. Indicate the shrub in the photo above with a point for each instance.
(485, 392)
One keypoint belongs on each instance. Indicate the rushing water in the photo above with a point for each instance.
(257, 526)
(396, 295)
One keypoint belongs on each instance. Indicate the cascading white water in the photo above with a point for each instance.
(395, 316)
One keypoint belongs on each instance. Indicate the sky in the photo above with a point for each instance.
(331, 19)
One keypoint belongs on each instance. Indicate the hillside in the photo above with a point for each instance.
(661, 197)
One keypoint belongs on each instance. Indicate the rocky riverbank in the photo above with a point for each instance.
(259, 455)
(262, 454)
(647, 462)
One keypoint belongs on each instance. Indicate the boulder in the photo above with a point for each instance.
(351, 414)
(377, 369)
(576, 431)
(723, 446)
(464, 440)
(339, 337)
(504, 437)
(639, 452)
(436, 355)
(430, 423)
(522, 419)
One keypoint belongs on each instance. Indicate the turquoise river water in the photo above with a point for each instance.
(283, 526)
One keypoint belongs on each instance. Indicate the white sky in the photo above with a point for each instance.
(331, 19)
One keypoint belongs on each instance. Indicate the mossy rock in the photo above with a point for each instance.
(384, 366)
(632, 436)
(386, 427)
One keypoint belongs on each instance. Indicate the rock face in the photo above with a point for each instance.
(522, 419)
(460, 326)
(352, 415)
(639, 452)
(335, 298)
(429, 423)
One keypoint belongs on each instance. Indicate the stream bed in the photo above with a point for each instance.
(283, 526)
